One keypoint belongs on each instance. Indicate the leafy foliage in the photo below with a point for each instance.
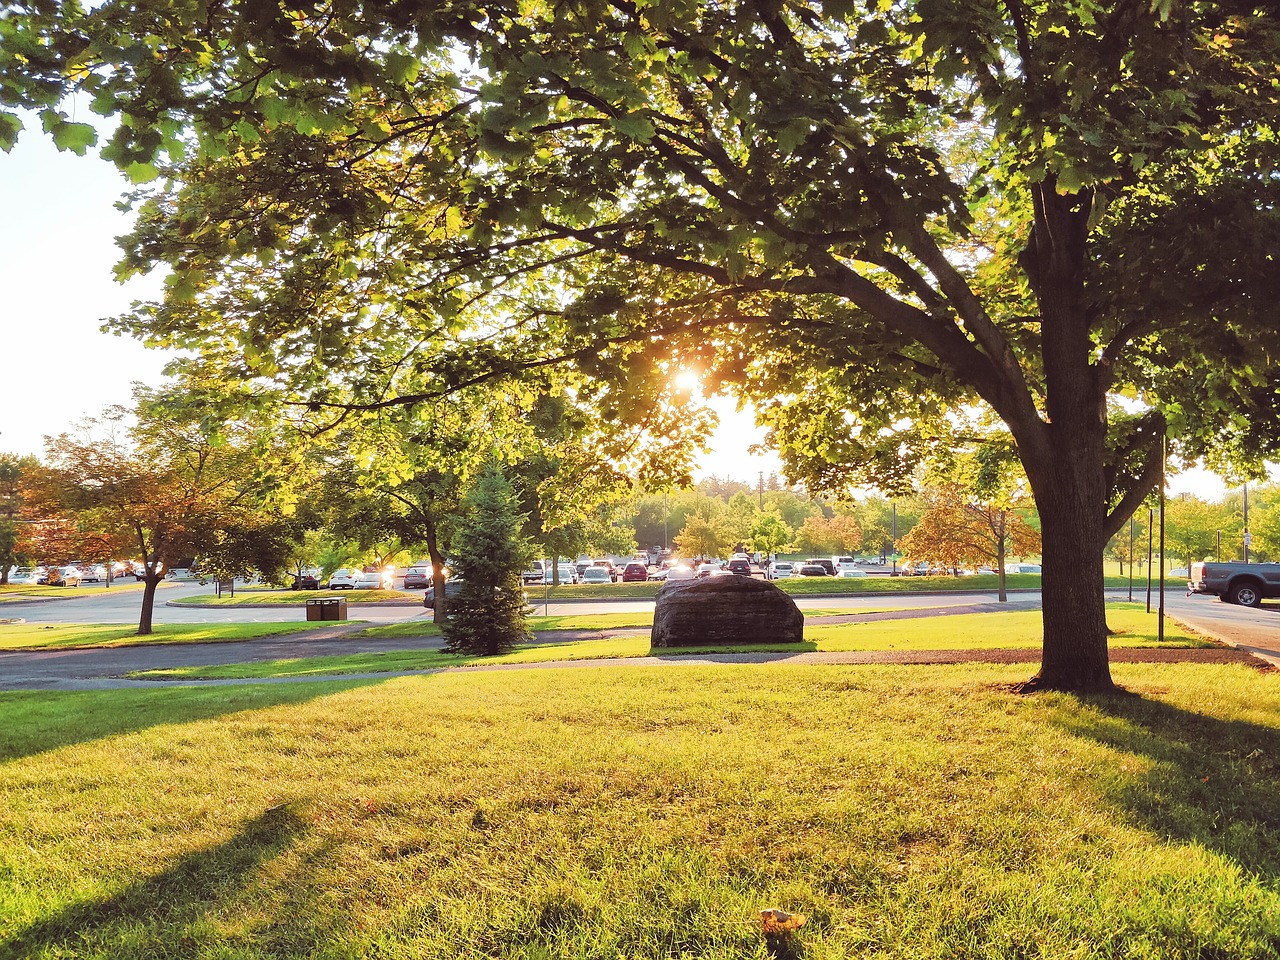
(869, 217)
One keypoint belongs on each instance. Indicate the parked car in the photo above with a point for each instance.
(306, 582)
(681, 571)
(417, 578)
(824, 563)
(596, 575)
(741, 566)
(23, 575)
(839, 563)
(707, 569)
(782, 570)
(1022, 568)
(451, 589)
(534, 574)
(808, 569)
(343, 579)
(367, 580)
(566, 572)
(1247, 584)
(850, 573)
(635, 572)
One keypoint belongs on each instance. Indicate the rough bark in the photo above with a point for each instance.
(151, 581)
(1065, 458)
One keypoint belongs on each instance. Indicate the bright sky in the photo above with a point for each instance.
(58, 223)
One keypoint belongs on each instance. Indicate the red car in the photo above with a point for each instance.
(635, 572)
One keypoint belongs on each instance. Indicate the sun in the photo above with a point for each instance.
(687, 380)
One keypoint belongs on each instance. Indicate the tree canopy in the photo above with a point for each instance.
(867, 215)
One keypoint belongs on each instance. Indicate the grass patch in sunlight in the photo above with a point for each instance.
(647, 813)
(64, 636)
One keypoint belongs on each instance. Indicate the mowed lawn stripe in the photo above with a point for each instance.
(646, 813)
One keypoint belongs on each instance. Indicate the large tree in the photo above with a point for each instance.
(875, 211)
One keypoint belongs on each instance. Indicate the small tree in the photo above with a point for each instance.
(770, 533)
(959, 528)
(488, 615)
(703, 537)
(12, 469)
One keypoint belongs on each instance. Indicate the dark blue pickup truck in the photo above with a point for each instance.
(1244, 583)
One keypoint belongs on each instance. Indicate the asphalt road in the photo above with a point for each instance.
(123, 605)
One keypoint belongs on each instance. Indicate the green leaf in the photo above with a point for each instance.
(141, 172)
(76, 137)
(635, 126)
(10, 127)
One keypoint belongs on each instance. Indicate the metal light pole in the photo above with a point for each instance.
(1164, 454)
(1247, 539)
(894, 545)
(1131, 558)
(1151, 531)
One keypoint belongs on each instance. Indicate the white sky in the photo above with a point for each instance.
(58, 223)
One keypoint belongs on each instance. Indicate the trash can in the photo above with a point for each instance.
(327, 608)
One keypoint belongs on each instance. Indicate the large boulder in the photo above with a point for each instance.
(722, 611)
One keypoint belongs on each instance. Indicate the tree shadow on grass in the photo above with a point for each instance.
(161, 915)
(1213, 782)
(33, 722)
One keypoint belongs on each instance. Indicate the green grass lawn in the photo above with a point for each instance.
(1135, 628)
(22, 591)
(576, 621)
(62, 636)
(646, 813)
(283, 597)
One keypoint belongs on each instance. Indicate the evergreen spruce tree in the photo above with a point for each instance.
(488, 614)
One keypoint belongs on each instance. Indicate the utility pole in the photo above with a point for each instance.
(894, 545)
(1247, 539)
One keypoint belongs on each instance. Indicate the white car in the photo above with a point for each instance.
(596, 575)
(847, 563)
(343, 579)
(782, 570)
(568, 574)
(24, 575)
(850, 573)
(366, 580)
(681, 571)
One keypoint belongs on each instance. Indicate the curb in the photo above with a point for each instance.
(1267, 656)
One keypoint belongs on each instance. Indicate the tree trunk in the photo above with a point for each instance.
(151, 581)
(1074, 604)
(1000, 574)
(439, 608)
(1064, 454)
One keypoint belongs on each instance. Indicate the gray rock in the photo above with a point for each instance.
(722, 611)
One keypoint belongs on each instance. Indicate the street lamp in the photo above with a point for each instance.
(894, 545)
(1247, 538)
